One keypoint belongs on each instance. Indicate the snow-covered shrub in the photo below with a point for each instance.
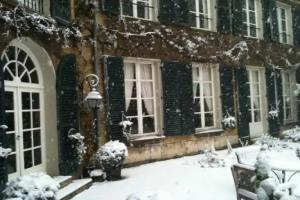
(36, 186)
(4, 152)
(126, 128)
(78, 144)
(273, 113)
(211, 159)
(111, 154)
(229, 121)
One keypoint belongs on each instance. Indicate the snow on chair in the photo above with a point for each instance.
(242, 176)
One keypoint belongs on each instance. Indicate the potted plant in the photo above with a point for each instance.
(111, 156)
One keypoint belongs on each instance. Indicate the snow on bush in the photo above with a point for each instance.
(292, 134)
(36, 186)
(149, 196)
(211, 159)
(238, 53)
(273, 114)
(111, 154)
(229, 121)
(4, 152)
(78, 144)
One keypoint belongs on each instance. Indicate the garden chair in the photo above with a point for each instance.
(242, 175)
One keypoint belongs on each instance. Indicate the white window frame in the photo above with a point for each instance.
(288, 20)
(156, 80)
(152, 11)
(215, 96)
(291, 95)
(210, 15)
(258, 19)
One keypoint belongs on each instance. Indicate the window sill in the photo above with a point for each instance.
(127, 17)
(210, 132)
(140, 141)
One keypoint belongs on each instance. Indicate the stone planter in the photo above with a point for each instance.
(113, 174)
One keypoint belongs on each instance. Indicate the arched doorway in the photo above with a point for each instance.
(24, 111)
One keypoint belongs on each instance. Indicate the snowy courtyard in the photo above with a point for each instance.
(186, 178)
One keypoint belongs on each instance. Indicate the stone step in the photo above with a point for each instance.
(74, 188)
(63, 180)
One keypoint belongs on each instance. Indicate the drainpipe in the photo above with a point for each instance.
(96, 70)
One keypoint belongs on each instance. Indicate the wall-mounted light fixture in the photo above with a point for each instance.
(94, 97)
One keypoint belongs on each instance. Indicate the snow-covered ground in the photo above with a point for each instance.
(177, 179)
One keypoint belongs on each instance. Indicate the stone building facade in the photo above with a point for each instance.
(179, 70)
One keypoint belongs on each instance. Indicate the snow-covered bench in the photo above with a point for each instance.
(242, 175)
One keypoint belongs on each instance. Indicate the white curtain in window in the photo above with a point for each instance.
(207, 87)
(146, 87)
(195, 78)
(129, 74)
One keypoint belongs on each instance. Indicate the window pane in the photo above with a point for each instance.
(37, 138)
(256, 103)
(148, 125)
(35, 100)
(252, 18)
(251, 4)
(127, 7)
(197, 107)
(36, 119)
(209, 119)
(255, 89)
(130, 71)
(197, 121)
(26, 120)
(207, 89)
(131, 107)
(196, 74)
(37, 156)
(143, 10)
(28, 159)
(253, 31)
(134, 127)
(206, 74)
(147, 89)
(257, 117)
(146, 71)
(203, 21)
(27, 139)
(196, 89)
(25, 100)
(208, 105)
(130, 89)
(148, 107)
(283, 25)
(34, 77)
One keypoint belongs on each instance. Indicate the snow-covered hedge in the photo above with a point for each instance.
(292, 134)
(112, 154)
(36, 186)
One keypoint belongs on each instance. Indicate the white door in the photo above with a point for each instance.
(24, 114)
(257, 123)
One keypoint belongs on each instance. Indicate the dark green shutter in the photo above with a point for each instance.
(237, 12)
(226, 81)
(3, 169)
(174, 12)
(296, 26)
(115, 93)
(111, 6)
(68, 113)
(224, 16)
(186, 98)
(61, 10)
(178, 98)
(270, 21)
(243, 91)
(274, 123)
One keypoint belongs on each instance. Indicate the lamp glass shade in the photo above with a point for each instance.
(93, 99)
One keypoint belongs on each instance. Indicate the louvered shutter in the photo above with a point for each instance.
(3, 169)
(111, 6)
(226, 81)
(178, 98)
(296, 25)
(272, 92)
(243, 91)
(174, 12)
(237, 20)
(67, 112)
(115, 93)
(186, 98)
(270, 21)
(172, 112)
(61, 10)
(224, 16)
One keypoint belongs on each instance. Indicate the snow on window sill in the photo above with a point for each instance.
(147, 138)
(210, 131)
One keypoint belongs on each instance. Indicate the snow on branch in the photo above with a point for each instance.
(238, 52)
(24, 21)
(4, 152)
